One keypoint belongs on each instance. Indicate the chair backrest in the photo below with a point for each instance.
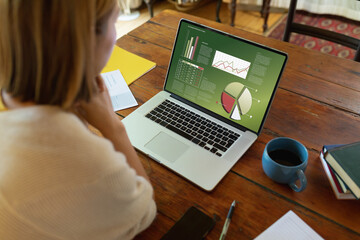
(331, 36)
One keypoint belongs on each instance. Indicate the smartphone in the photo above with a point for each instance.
(193, 225)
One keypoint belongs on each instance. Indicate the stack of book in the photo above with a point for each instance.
(342, 167)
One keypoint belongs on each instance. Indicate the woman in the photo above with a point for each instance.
(57, 179)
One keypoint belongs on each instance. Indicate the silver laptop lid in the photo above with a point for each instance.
(228, 77)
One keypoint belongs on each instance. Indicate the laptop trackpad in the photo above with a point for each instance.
(166, 146)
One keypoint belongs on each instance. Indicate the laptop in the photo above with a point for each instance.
(217, 93)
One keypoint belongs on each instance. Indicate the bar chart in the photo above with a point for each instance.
(191, 46)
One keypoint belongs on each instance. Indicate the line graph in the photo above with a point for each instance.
(231, 64)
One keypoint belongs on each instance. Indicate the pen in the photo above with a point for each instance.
(227, 221)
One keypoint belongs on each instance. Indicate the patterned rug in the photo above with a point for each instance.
(329, 22)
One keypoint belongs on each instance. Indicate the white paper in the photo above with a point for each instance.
(121, 96)
(289, 226)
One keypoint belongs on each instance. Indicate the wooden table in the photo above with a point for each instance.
(317, 103)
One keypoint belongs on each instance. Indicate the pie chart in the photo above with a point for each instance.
(236, 100)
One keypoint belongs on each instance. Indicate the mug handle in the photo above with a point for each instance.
(303, 181)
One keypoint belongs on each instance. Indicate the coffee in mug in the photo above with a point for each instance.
(285, 157)
(284, 160)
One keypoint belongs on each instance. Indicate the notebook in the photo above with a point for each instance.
(217, 93)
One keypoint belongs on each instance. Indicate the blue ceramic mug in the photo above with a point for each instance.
(284, 160)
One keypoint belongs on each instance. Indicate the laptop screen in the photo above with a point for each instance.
(229, 76)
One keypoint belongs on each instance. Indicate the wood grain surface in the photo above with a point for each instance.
(317, 103)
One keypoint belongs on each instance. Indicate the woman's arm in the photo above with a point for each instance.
(100, 114)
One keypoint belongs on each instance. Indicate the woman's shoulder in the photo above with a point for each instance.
(51, 144)
(67, 167)
(44, 121)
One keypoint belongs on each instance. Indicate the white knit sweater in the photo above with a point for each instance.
(60, 181)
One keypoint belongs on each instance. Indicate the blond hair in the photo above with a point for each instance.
(47, 48)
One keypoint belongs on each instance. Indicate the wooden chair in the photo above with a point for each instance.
(264, 12)
(318, 32)
(149, 4)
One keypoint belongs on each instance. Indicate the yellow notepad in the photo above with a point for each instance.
(130, 65)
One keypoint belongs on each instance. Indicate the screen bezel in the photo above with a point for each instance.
(211, 113)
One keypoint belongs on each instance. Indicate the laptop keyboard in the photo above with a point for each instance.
(201, 131)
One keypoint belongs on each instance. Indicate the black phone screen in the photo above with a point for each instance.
(193, 225)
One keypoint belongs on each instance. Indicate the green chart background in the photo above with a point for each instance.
(236, 48)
